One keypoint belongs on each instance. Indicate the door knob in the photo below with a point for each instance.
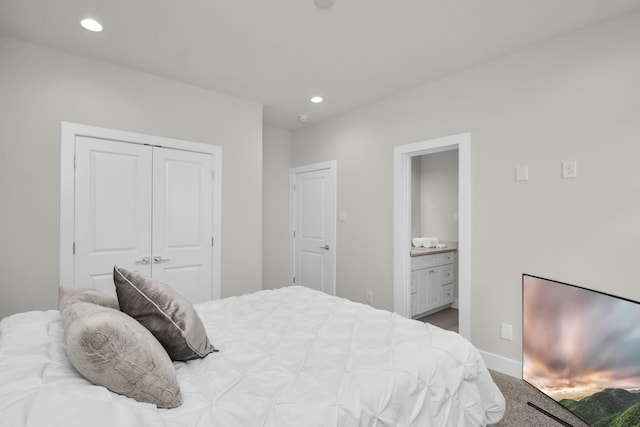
(160, 260)
(144, 260)
(325, 247)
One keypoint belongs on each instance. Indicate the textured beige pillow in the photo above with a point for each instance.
(169, 316)
(113, 350)
(70, 295)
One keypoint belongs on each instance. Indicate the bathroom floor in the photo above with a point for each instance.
(445, 319)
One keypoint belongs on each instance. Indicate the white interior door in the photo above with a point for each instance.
(182, 222)
(314, 213)
(145, 208)
(112, 211)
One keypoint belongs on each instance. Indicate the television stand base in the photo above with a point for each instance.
(550, 415)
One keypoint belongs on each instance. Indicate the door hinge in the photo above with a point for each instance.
(294, 280)
(212, 242)
(294, 233)
(75, 160)
(213, 174)
(74, 248)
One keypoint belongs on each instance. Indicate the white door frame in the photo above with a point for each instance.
(402, 223)
(332, 166)
(69, 132)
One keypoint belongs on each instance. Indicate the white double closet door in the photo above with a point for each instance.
(144, 208)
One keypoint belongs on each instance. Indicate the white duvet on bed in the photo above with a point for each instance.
(288, 357)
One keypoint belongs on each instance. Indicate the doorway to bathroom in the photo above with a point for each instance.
(407, 217)
(434, 231)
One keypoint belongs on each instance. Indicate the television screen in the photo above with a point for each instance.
(582, 349)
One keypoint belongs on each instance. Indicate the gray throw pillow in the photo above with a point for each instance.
(169, 316)
(113, 350)
(70, 295)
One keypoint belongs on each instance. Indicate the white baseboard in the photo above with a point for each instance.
(502, 364)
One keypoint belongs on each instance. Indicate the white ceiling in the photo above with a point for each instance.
(281, 52)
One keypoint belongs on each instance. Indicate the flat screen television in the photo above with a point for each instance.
(582, 349)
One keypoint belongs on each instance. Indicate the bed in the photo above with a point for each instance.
(286, 357)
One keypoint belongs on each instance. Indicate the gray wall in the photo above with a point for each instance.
(439, 195)
(416, 197)
(572, 98)
(41, 87)
(434, 195)
(276, 240)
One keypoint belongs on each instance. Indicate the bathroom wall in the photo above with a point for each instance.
(439, 195)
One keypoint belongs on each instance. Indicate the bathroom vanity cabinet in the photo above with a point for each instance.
(432, 282)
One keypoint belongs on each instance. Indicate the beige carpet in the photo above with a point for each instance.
(519, 414)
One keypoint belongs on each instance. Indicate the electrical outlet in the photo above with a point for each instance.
(569, 169)
(506, 331)
(369, 297)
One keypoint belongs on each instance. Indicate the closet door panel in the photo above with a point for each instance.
(112, 210)
(182, 221)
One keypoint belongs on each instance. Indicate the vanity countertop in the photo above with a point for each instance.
(451, 247)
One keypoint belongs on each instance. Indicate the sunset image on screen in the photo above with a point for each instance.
(578, 343)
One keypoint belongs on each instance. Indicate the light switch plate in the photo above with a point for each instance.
(522, 173)
(569, 169)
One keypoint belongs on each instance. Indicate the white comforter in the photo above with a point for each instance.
(289, 357)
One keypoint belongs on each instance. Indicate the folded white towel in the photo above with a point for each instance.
(425, 242)
(430, 242)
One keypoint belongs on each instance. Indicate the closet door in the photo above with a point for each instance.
(145, 203)
(113, 209)
(182, 249)
(147, 209)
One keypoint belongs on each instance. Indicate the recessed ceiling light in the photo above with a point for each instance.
(91, 25)
(316, 99)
